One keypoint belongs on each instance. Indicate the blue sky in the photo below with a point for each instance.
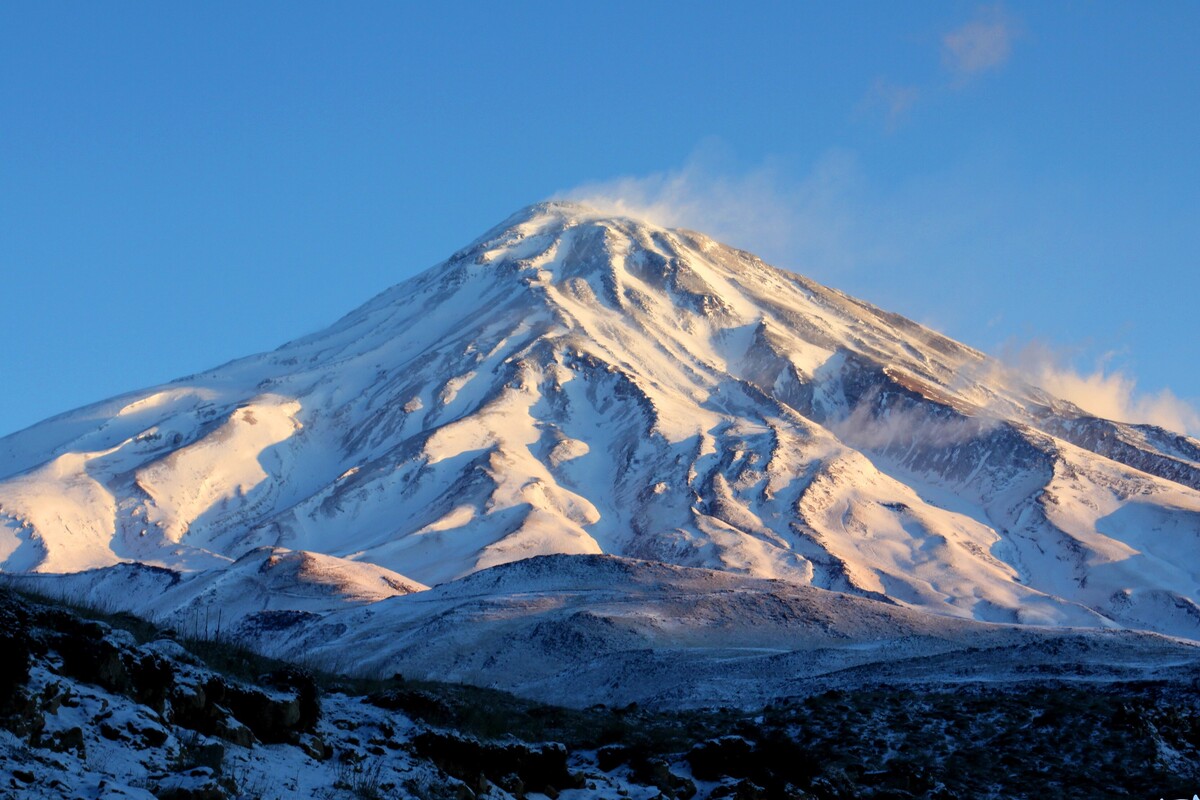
(184, 184)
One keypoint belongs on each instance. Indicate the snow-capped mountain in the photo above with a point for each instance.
(576, 383)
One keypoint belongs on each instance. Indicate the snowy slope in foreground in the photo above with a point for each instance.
(579, 630)
(573, 383)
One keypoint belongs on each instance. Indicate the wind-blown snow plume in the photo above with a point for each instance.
(865, 429)
(1105, 391)
(805, 221)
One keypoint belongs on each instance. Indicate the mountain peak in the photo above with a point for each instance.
(559, 210)
(568, 237)
(566, 208)
(580, 382)
(557, 214)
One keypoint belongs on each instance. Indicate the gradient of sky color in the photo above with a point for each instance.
(182, 184)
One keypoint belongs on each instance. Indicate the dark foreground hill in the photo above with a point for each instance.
(103, 706)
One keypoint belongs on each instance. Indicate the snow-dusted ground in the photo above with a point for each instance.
(93, 711)
(75, 731)
(572, 383)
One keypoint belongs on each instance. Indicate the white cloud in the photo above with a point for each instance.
(983, 44)
(1105, 391)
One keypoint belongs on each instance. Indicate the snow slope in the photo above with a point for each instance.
(574, 383)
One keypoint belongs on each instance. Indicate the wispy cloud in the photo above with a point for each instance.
(980, 45)
(892, 100)
(1105, 391)
(792, 222)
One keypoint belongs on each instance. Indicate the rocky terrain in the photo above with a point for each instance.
(102, 706)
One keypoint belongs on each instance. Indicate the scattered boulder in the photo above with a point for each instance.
(657, 773)
(515, 767)
(196, 706)
(718, 758)
(87, 652)
(246, 715)
(153, 679)
(773, 761)
(69, 740)
(315, 747)
(233, 731)
(196, 784)
(273, 719)
(308, 696)
(413, 703)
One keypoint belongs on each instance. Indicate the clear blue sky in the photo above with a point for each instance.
(182, 184)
